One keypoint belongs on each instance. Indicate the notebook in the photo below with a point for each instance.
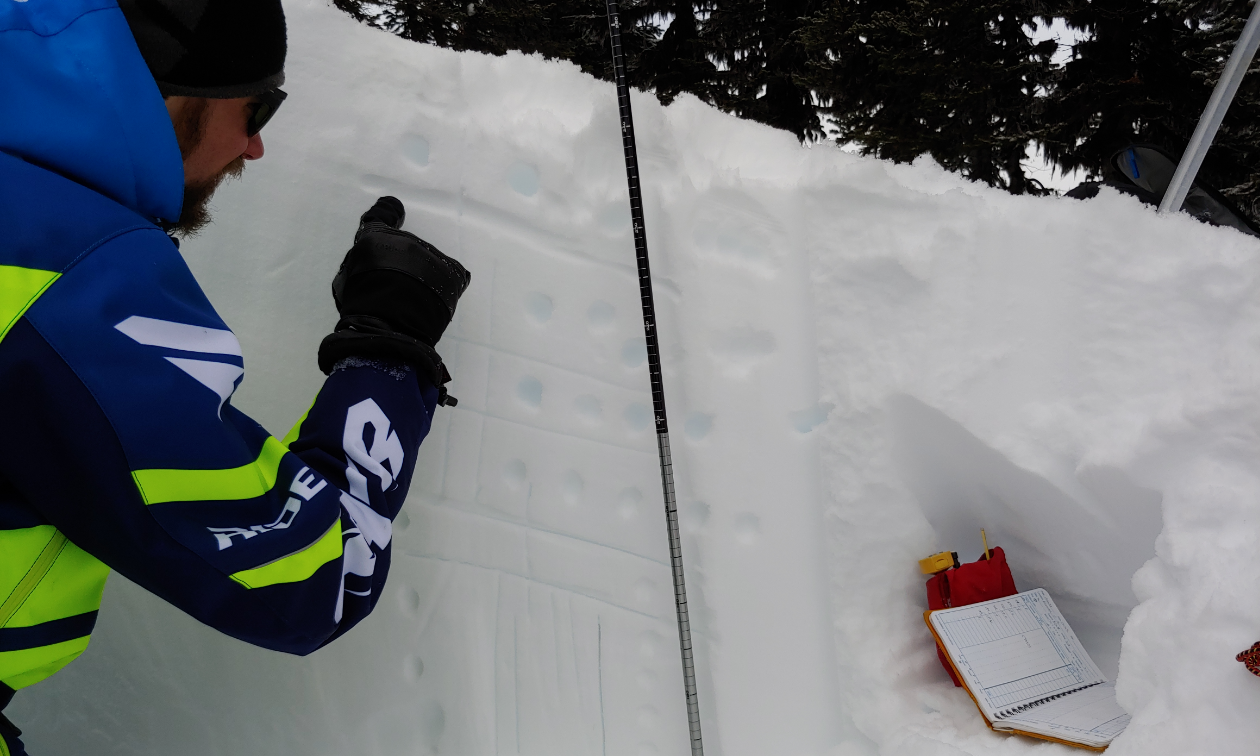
(1027, 672)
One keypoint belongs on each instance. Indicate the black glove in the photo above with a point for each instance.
(396, 294)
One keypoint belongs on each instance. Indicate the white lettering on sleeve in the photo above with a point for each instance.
(385, 448)
(302, 487)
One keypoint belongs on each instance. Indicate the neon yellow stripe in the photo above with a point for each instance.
(244, 482)
(19, 288)
(296, 430)
(19, 669)
(295, 567)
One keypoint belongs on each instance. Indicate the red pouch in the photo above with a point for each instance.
(981, 580)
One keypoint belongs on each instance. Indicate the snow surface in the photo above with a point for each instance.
(864, 364)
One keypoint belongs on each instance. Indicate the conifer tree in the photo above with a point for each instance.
(763, 61)
(957, 79)
(1144, 73)
(573, 30)
(1130, 79)
(680, 61)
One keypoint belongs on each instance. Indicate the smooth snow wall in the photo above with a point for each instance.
(864, 364)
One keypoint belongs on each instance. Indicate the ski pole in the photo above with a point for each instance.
(654, 374)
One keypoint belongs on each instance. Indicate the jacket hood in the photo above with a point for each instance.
(79, 100)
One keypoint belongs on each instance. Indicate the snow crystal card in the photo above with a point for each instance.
(1026, 670)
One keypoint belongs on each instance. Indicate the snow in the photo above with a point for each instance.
(864, 364)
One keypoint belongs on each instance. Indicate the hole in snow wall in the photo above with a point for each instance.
(1082, 545)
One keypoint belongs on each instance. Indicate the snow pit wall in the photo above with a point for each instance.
(864, 363)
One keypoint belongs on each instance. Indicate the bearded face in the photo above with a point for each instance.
(190, 132)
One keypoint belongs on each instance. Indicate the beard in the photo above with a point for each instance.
(195, 214)
(190, 129)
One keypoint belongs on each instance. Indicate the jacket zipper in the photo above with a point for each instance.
(33, 576)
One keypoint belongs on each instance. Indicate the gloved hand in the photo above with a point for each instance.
(396, 293)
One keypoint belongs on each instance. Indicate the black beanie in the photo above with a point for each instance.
(210, 48)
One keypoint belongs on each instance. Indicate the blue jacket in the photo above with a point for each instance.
(117, 430)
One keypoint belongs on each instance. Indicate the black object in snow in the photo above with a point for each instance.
(1144, 171)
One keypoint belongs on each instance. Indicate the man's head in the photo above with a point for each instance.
(218, 64)
(214, 145)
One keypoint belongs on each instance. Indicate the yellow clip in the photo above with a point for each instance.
(938, 562)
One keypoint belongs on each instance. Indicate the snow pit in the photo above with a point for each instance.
(865, 364)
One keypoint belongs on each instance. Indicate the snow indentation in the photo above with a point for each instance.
(739, 350)
(634, 352)
(514, 473)
(645, 592)
(529, 391)
(523, 178)
(539, 306)
(629, 503)
(600, 315)
(697, 425)
(615, 219)
(415, 148)
(694, 516)
(413, 668)
(589, 408)
(409, 601)
(638, 417)
(572, 486)
(747, 528)
(810, 418)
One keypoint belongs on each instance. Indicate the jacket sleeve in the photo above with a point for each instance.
(120, 380)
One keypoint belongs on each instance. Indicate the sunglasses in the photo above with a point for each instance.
(260, 112)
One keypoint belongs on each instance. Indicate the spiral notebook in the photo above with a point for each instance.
(1027, 672)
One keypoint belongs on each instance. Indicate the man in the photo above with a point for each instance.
(119, 446)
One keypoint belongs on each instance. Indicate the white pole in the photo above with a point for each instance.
(1210, 121)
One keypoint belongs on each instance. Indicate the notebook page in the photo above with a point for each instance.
(1014, 651)
(1089, 716)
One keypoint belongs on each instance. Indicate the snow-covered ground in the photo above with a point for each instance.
(864, 364)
